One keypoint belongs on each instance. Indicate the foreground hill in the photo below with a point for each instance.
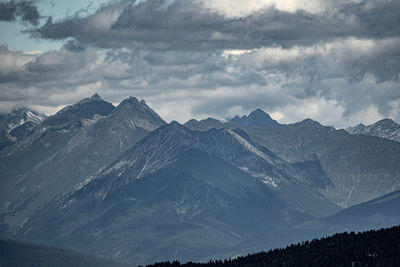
(13, 253)
(380, 212)
(372, 248)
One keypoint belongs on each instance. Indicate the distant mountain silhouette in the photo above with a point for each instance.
(256, 118)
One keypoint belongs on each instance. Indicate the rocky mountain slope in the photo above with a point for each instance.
(359, 168)
(179, 194)
(356, 168)
(66, 150)
(120, 182)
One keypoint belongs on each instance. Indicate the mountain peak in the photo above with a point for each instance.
(310, 122)
(175, 125)
(258, 111)
(139, 113)
(385, 121)
(96, 96)
(129, 100)
(256, 118)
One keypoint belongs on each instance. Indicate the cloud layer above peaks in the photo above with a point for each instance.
(334, 61)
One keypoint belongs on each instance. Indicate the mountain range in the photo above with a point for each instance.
(385, 128)
(120, 182)
(65, 150)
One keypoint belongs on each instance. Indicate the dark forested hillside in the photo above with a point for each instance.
(372, 248)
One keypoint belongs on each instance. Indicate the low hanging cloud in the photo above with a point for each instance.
(24, 10)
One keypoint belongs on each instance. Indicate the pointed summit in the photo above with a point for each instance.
(96, 96)
(138, 113)
(256, 118)
(175, 124)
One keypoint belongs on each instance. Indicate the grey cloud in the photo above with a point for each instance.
(357, 74)
(25, 10)
(187, 25)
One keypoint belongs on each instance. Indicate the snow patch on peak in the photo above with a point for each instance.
(36, 118)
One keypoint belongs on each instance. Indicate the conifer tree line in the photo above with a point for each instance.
(371, 248)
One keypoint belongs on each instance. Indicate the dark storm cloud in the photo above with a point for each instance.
(188, 25)
(25, 10)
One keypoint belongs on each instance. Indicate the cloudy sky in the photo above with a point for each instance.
(335, 61)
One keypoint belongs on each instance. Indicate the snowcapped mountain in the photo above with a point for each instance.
(385, 128)
(19, 116)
